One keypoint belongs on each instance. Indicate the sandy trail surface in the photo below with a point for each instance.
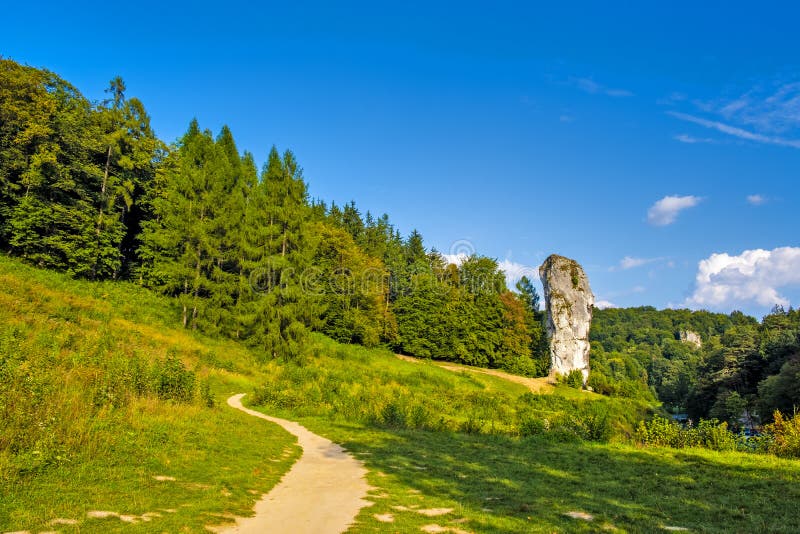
(536, 385)
(322, 493)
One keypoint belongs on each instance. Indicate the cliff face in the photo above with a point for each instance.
(692, 338)
(568, 300)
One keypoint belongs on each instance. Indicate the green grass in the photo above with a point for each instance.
(349, 383)
(501, 484)
(84, 428)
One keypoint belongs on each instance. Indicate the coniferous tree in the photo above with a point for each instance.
(181, 246)
(286, 308)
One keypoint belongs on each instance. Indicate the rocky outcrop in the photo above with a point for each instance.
(691, 338)
(569, 301)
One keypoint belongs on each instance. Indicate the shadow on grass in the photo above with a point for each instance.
(504, 485)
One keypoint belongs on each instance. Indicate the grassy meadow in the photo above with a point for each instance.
(490, 456)
(105, 408)
(500, 484)
(108, 406)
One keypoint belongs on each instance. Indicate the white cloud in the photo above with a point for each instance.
(756, 200)
(686, 138)
(775, 108)
(754, 276)
(587, 85)
(736, 132)
(457, 259)
(629, 262)
(514, 271)
(666, 210)
(603, 304)
(672, 99)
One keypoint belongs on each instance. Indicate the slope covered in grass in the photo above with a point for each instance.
(370, 386)
(105, 407)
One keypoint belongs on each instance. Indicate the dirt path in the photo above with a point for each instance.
(322, 493)
(536, 385)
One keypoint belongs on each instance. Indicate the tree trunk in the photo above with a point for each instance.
(185, 292)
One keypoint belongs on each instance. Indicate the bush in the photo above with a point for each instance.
(782, 437)
(574, 379)
(393, 415)
(531, 426)
(206, 396)
(172, 381)
(715, 435)
(471, 426)
(662, 432)
(598, 425)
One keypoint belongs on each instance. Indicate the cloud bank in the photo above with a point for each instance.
(666, 210)
(753, 277)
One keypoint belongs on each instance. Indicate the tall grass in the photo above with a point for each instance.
(349, 383)
(99, 393)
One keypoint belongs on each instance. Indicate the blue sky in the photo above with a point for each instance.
(658, 146)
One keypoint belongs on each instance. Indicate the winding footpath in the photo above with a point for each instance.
(536, 385)
(322, 493)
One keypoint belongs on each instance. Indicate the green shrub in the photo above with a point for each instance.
(598, 424)
(662, 432)
(471, 426)
(782, 436)
(573, 379)
(531, 426)
(172, 381)
(659, 431)
(715, 435)
(393, 415)
(206, 396)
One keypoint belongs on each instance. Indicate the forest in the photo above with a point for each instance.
(87, 188)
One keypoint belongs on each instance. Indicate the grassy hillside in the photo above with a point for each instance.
(492, 457)
(104, 408)
(104, 402)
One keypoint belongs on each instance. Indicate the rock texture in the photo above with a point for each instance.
(692, 338)
(569, 301)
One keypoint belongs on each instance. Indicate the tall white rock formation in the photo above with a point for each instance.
(569, 301)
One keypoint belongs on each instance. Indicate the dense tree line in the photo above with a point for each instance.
(74, 176)
(88, 188)
(743, 369)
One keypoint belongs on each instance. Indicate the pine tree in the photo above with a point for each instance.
(285, 308)
(182, 245)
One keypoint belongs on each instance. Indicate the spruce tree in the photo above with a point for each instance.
(182, 245)
(285, 308)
